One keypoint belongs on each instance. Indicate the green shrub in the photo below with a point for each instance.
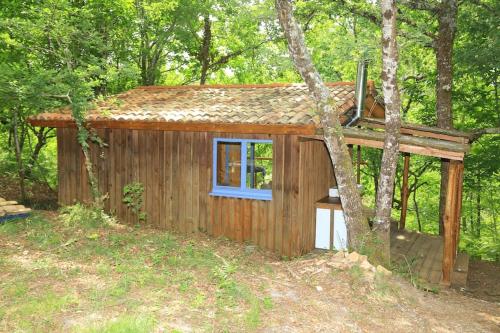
(89, 217)
(132, 198)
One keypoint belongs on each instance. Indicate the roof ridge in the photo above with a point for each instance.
(243, 85)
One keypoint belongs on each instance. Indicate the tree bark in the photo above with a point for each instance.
(19, 157)
(404, 192)
(204, 55)
(478, 208)
(417, 212)
(392, 100)
(447, 13)
(357, 227)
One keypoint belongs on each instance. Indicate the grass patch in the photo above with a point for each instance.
(37, 312)
(268, 303)
(124, 324)
(16, 227)
(252, 318)
(107, 271)
(12, 227)
(199, 300)
(382, 286)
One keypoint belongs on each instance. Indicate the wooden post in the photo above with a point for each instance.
(451, 219)
(358, 166)
(458, 212)
(404, 194)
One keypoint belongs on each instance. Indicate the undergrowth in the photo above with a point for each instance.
(77, 263)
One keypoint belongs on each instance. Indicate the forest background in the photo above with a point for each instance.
(54, 50)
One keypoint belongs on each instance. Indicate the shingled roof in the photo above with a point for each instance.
(271, 104)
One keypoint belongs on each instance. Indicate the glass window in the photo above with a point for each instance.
(259, 165)
(243, 168)
(229, 164)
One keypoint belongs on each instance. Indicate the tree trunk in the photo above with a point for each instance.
(204, 55)
(417, 212)
(19, 158)
(357, 227)
(478, 208)
(42, 135)
(382, 222)
(443, 45)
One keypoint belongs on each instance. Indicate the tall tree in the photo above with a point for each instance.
(357, 226)
(392, 101)
(443, 45)
(156, 24)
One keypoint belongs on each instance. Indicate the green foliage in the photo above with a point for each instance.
(133, 199)
(88, 217)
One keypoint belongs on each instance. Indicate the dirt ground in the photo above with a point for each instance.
(60, 277)
(483, 280)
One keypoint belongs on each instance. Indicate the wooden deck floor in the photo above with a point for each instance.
(422, 253)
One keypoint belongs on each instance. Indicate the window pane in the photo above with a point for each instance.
(259, 165)
(229, 164)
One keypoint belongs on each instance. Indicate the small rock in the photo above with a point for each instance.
(340, 254)
(370, 275)
(353, 257)
(367, 266)
(319, 288)
(338, 265)
(117, 226)
(249, 249)
(383, 270)
(362, 258)
(320, 262)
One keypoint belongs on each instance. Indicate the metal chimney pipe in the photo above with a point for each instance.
(360, 92)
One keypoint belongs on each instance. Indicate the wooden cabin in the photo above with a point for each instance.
(242, 161)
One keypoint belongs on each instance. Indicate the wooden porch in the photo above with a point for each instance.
(422, 256)
(434, 259)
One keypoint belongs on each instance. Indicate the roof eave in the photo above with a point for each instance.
(244, 128)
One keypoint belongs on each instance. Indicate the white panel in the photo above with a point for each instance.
(339, 231)
(333, 192)
(322, 228)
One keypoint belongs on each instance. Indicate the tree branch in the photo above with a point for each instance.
(476, 135)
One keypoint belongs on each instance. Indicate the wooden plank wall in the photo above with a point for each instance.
(176, 170)
(316, 178)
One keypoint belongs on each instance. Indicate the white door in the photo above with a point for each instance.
(323, 228)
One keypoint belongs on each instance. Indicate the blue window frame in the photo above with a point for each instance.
(236, 171)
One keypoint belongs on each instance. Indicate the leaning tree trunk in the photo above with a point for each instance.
(357, 226)
(382, 222)
(447, 14)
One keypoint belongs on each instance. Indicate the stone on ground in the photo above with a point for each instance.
(340, 254)
(383, 270)
(367, 266)
(353, 257)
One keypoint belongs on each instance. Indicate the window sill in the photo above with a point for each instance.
(256, 194)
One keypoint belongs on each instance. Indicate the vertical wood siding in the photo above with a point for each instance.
(175, 169)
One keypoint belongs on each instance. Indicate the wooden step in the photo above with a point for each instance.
(7, 203)
(460, 271)
(14, 209)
